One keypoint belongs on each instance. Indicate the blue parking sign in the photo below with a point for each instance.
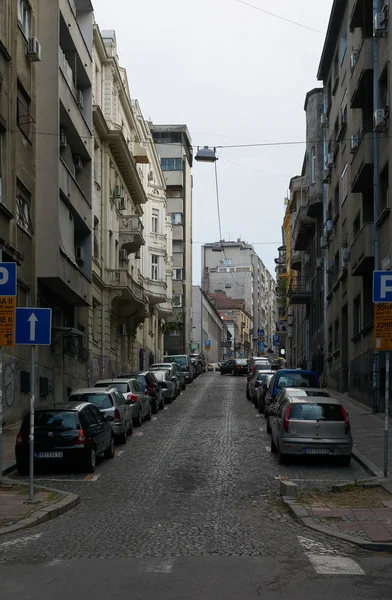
(382, 287)
(7, 279)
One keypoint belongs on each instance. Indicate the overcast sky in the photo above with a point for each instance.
(235, 76)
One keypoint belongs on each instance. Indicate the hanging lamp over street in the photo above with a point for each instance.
(206, 154)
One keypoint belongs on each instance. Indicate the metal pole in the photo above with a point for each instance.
(1, 398)
(376, 354)
(386, 424)
(325, 253)
(32, 403)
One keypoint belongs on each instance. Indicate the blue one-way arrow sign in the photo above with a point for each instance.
(33, 326)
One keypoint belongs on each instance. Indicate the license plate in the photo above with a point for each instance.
(316, 451)
(48, 455)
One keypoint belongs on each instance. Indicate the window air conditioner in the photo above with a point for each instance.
(78, 162)
(380, 24)
(122, 329)
(79, 98)
(33, 51)
(353, 60)
(123, 255)
(79, 255)
(329, 226)
(346, 255)
(354, 143)
(379, 120)
(330, 159)
(63, 139)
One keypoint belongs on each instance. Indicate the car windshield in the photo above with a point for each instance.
(121, 386)
(53, 420)
(101, 401)
(180, 360)
(317, 412)
(160, 375)
(264, 378)
(241, 362)
(294, 379)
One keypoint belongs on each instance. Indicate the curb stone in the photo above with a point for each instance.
(63, 505)
(367, 464)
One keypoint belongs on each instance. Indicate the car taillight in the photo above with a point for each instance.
(19, 439)
(130, 398)
(82, 437)
(346, 420)
(238, 367)
(287, 418)
(117, 417)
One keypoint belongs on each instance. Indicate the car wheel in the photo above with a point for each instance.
(130, 428)
(22, 468)
(155, 406)
(122, 438)
(281, 457)
(91, 461)
(183, 386)
(261, 407)
(148, 415)
(345, 461)
(162, 404)
(109, 452)
(139, 420)
(273, 447)
(268, 427)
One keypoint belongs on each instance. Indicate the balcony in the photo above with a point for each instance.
(303, 228)
(362, 165)
(131, 233)
(174, 178)
(299, 290)
(281, 260)
(362, 75)
(156, 291)
(362, 251)
(296, 260)
(280, 270)
(125, 291)
(315, 205)
(178, 232)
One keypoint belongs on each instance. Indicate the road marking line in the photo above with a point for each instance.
(22, 541)
(326, 561)
(164, 566)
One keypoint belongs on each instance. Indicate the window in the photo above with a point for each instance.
(23, 208)
(356, 225)
(343, 107)
(23, 118)
(176, 218)
(336, 201)
(228, 261)
(344, 182)
(329, 341)
(1, 164)
(357, 322)
(154, 220)
(343, 46)
(313, 165)
(23, 296)
(154, 267)
(174, 333)
(95, 319)
(177, 301)
(177, 274)
(384, 188)
(96, 240)
(336, 335)
(171, 164)
(24, 16)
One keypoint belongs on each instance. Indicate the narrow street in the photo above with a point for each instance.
(189, 509)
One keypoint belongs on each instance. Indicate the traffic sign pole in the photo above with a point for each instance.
(32, 407)
(1, 398)
(386, 422)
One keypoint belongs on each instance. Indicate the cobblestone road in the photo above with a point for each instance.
(198, 481)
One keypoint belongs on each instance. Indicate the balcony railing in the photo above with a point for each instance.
(362, 73)
(122, 280)
(362, 251)
(131, 233)
(299, 290)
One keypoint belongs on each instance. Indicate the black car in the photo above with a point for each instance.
(74, 435)
(149, 383)
(237, 366)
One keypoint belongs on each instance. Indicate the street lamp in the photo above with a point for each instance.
(206, 154)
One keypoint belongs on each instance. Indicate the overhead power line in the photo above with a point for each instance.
(267, 12)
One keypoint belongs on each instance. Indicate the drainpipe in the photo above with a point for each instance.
(325, 250)
(376, 354)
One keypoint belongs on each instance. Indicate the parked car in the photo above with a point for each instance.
(74, 434)
(250, 382)
(178, 376)
(260, 364)
(196, 363)
(168, 386)
(311, 425)
(201, 359)
(260, 387)
(293, 393)
(184, 362)
(227, 367)
(241, 367)
(289, 378)
(135, 397)
(110, 402)
(150, 384)
(213, 367)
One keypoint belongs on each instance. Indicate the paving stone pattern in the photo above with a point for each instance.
(199, 481)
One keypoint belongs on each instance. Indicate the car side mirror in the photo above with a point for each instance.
(109, 418)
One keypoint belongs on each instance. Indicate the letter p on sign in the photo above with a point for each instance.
(382, 287)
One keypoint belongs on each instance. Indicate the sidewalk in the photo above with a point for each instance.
(9, 437)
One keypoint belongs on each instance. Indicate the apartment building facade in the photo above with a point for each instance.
(20, 61)
(236, 269)
(131, 259)
(235, 309)
(208, 326)
(174, 147)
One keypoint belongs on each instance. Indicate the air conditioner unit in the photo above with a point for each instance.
(319, 263)
(150, 175)
(122, 329)
(379, 120)
(380, 24)
(79, 255)
(353, 59)
(33, 51)
(79, 98)
(324, 120)
(78, 162)
(117, 191)
(330, 159)
(123, 255)
(326, 176)
(329, 226)
(122, 205)
(63, 139)
(346, 255)
(354, 143)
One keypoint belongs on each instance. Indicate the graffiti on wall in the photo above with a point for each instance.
(9, 381)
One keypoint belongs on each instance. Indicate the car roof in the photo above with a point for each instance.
(314, 399)
(115, 380)
(93, 390)
(265, 372)
(297, 371)
(71, 406)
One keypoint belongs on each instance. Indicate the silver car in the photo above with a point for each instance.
(311, 426)
(173, 372)
(110, 402)
(134, 395)
(167, 385)
(291, 392)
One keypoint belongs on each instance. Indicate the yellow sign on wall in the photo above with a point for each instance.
(7, 320)
(383, 326)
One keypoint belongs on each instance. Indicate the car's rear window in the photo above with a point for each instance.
(241, 361)
(264, 378)
(160, 375)
(316, 412)
(317, 393)
(101, 401)
(180, 360)
(55, 420)
(120, 386)
(300, 380)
